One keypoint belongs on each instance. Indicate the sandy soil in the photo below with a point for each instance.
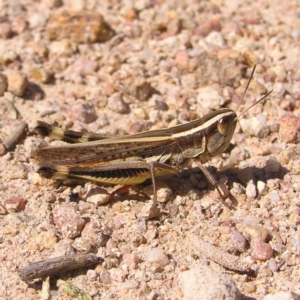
(122, 67)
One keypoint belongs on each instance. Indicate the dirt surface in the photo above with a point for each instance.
(122, 67)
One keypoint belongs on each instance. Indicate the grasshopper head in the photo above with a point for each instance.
(219, 133)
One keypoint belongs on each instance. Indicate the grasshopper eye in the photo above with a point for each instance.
(223, 126)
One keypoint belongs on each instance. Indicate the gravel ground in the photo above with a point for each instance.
(122, 67)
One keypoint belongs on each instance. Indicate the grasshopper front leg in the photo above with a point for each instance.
(222, 189)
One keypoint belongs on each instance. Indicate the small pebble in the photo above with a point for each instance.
(82, 111)
(69, 223)
(239, 241)
(208, 26)
(255, 127)
(117, 104)
(289, 128)
(257, 230)
(97, 196)
(91, 275)
(95, 236)
(132, 284)
(205, 283)
(105, 277)
(260, 250)
(130, 259)
(273, 126)
(287, 155)
(238, 189)
(163, 192)
(139, 125)
(262, 188)
(157, 255)
(65, 48)
(118, 220)
(272, 265)
(82, 245)
(251, 191)
(17, 83)
(118, 275)
(181, 60)
(249, 287)
(84, 66)
(274, 197)
(46, 239)
(249, 219)
(209, 97)
(215, 38)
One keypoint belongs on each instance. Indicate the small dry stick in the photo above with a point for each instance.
(218, 256)
(12, 140)
(57, 265)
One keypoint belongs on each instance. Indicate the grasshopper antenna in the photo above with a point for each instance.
(244, 93)
(246, 89)
(259, 100)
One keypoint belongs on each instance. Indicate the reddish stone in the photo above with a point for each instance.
(289, 129)
(207, 27)
(15, 204)
(68, 221)
(260, 250)
(181, 60)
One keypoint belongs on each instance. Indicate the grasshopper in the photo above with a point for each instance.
(130, 160)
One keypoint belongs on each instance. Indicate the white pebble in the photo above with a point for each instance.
(157, 255)
(262, 188)
(255, 127)
(205, 283)
(251, 220)
(251, 191)
(274, 196)
(215, 38)
(208, 97)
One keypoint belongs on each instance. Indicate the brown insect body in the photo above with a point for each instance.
(131, 159)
